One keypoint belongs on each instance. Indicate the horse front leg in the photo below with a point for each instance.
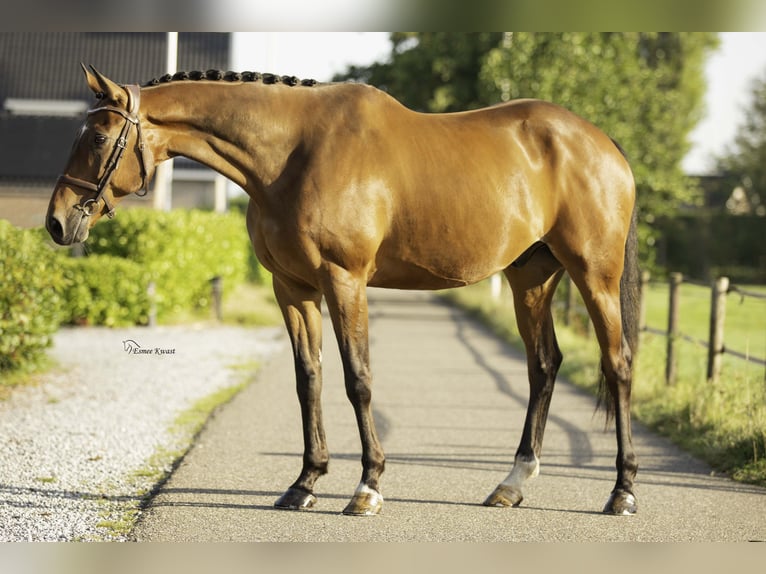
(346, 298)
(301, 309)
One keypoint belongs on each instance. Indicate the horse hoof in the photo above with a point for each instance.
(365, 502)
(295, 499)
(504, 495)
(621, 502)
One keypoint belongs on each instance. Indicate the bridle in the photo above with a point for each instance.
(131, 119)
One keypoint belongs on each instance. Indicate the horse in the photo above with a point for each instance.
(349, 188)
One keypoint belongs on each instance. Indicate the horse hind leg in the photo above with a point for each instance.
(533, 284)
(601, 294)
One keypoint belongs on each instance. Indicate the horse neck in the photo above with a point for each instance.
(244, 131)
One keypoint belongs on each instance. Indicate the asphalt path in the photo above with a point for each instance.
(449, 400)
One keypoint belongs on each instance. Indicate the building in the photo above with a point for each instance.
(43, 98)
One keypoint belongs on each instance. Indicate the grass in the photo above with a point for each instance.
(723, 423)
(252, 305)
(248, 304)
(46, 479)
(745, 316)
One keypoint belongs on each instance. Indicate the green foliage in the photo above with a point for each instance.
(180, 251)
(432, 71)
(105, 290)
(747, 157)
(722, 423)
(30, 297)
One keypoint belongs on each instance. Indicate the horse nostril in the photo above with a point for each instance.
(55, 228)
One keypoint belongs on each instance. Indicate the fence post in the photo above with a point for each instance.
(673, 312)
(646, 277)
(216, 284)
(717, 318)
(496, 285)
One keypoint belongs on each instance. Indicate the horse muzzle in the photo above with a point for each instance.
(71, 229)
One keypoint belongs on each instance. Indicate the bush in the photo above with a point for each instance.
(181, 251)
(105, 290)
(30, 300)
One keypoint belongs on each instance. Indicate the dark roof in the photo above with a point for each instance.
(46, 65)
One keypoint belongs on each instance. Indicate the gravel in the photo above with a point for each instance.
(82, 445)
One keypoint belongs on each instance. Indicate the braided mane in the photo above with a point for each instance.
(218, 75)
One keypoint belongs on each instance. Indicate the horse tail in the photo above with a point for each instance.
(630, 288)
(630, 282)
(630, 303)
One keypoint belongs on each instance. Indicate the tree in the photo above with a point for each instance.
(746, 159)
(431, 71)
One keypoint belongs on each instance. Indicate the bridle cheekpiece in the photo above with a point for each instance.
(131, 119)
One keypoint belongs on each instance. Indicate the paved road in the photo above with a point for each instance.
(450, 402)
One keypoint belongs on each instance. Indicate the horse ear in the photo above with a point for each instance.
(103, 87)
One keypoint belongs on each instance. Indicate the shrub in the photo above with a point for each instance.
(30, 300)
(105, 290)
(181, 251)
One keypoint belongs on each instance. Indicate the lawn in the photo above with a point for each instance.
(248, 304)
(745, 329)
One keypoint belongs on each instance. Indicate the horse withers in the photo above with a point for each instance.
(348, 188)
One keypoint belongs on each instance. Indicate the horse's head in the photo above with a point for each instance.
(106, 164)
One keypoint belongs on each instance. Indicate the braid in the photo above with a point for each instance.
(218, 75)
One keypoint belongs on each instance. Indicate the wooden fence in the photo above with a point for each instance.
(714, 344)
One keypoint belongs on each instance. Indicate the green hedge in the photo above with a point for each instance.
(105, 290)
(180, 251)
(30, 296)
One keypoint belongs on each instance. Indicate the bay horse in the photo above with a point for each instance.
(349, 188)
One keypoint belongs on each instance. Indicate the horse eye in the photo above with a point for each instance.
(100, 139)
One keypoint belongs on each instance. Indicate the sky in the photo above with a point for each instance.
(316, 55)
(730, 71)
